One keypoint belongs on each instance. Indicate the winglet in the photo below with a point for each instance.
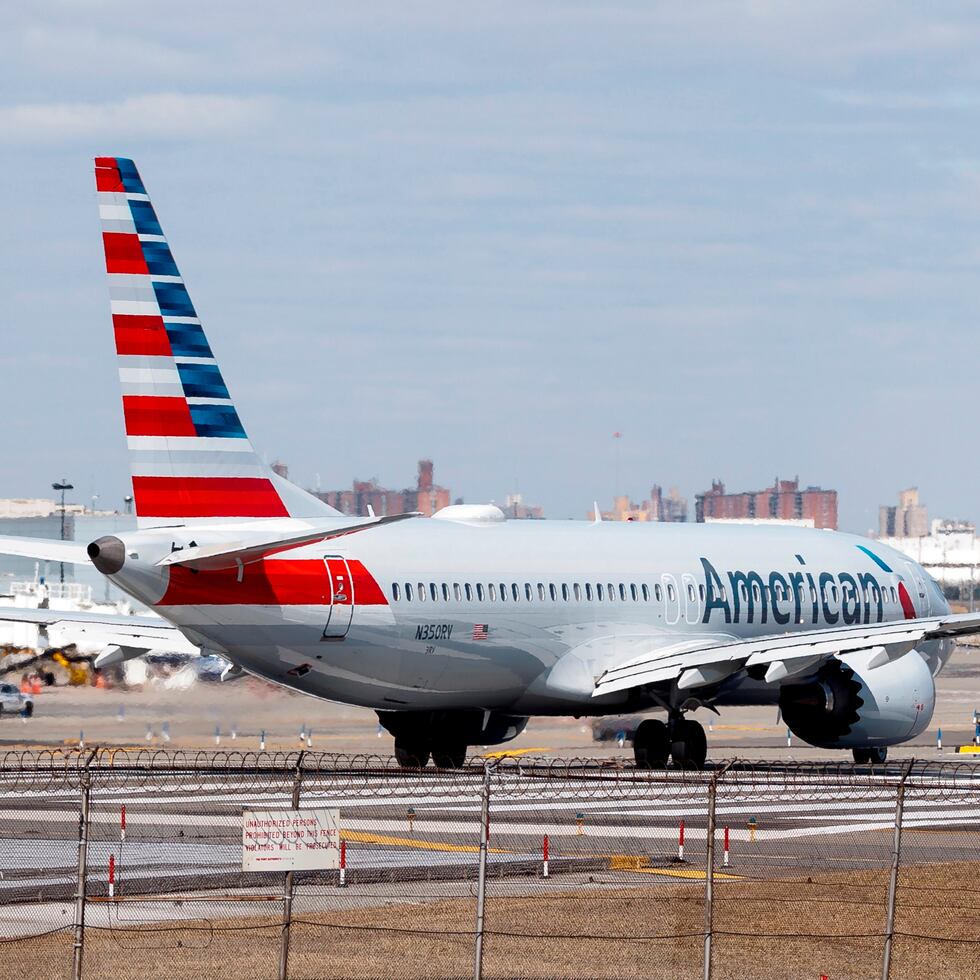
(598, 516)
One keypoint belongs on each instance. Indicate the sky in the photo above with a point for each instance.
(744, 234)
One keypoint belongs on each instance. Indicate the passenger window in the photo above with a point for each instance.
(894, 594)
(528, 592)
(503, 592)
(395, 591)
(813, 594)
(588, 592)
(516, 592)
(554, 592)
(611, 592)
(564, 592)
(658, 593)
(833, 592)
(690, 592)
(479, 591)
(670, 591)
(445, 592)
(469, 592)
(577, 589)
(493, 592)
(598, 591)
(701, 592)
(541, 592)
(408, 591)
(458, 592)
(755, 592)
(622, 591)
(646, 592)
(633, 590)
(433, 591)
(421, 592)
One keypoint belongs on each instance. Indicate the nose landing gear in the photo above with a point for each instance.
(682, 739)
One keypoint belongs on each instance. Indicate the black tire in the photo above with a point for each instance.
(862, 756)
(411, 756)
(651, 744)
(28, 709)
(689, 745)
(449, 756)
(871, 756)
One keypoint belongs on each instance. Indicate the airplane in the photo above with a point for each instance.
(457, 629)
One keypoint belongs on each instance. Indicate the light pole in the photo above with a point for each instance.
(62, 486)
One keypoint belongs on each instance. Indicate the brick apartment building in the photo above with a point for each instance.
(784, 500)
(426, 497)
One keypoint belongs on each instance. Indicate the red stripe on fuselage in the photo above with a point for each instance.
(149, 415)
(277, 582)
(141, 335)
(206, 496)
(907, 608)
(123, 253)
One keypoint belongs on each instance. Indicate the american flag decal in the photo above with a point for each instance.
(480, 631)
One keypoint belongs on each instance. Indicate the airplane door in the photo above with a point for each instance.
(341, 610)
(692, 607)
(672, 600)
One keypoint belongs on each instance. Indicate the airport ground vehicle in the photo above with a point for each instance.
(13, 702)
(457, 629)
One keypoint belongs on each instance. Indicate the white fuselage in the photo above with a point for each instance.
(517, 616)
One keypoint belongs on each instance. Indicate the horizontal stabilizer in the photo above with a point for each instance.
(225, 556)
(45, 549)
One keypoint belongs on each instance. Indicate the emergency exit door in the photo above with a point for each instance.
(341, 610)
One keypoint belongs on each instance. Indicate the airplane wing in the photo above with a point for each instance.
(45, 549)
(224, 556)
(123, 637)
(782, 654)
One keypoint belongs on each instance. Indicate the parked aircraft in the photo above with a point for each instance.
(457, 629)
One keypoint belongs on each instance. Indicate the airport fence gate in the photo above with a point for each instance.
(132, 864)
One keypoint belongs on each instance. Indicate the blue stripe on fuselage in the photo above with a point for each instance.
(873, 557)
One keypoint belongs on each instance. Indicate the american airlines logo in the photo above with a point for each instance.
(795, 597)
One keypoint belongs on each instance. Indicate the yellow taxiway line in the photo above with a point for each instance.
(422, 845)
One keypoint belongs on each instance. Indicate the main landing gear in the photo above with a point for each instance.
(871, 756)
(682, 739)
(414, 754)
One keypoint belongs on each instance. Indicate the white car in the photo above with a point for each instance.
(13, 702)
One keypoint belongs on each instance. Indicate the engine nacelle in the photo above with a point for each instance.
(851, 705)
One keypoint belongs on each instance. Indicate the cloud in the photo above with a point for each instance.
(163, 116)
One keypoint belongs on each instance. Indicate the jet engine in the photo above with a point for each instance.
(851, 704)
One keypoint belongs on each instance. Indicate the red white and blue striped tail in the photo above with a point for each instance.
(190, 456)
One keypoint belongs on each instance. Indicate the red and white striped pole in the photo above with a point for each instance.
(544, 851)
(122, 822)
(112, 875)
(725, 862)
(343, 864)
(680, 843)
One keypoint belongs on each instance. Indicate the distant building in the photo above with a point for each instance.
(426, 497)
(280, 469)
(516, 510)
(657, 507)
(950, 553)
(910, 519)
(783, 501)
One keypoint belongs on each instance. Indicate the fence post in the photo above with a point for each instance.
(287, 891)
(481, 889)
(886, 962)
(83, 822)
(709, 866)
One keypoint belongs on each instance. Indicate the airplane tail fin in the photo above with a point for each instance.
(189, 453)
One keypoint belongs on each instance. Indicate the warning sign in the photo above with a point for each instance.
(290, 840)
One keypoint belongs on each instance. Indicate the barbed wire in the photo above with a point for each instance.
(189, 770)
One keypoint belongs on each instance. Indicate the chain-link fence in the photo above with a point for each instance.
(134, 864)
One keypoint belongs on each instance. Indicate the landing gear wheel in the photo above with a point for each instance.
(651, 745)
(688, 745)
(411, 755)
(871, 756)
(449, 756)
